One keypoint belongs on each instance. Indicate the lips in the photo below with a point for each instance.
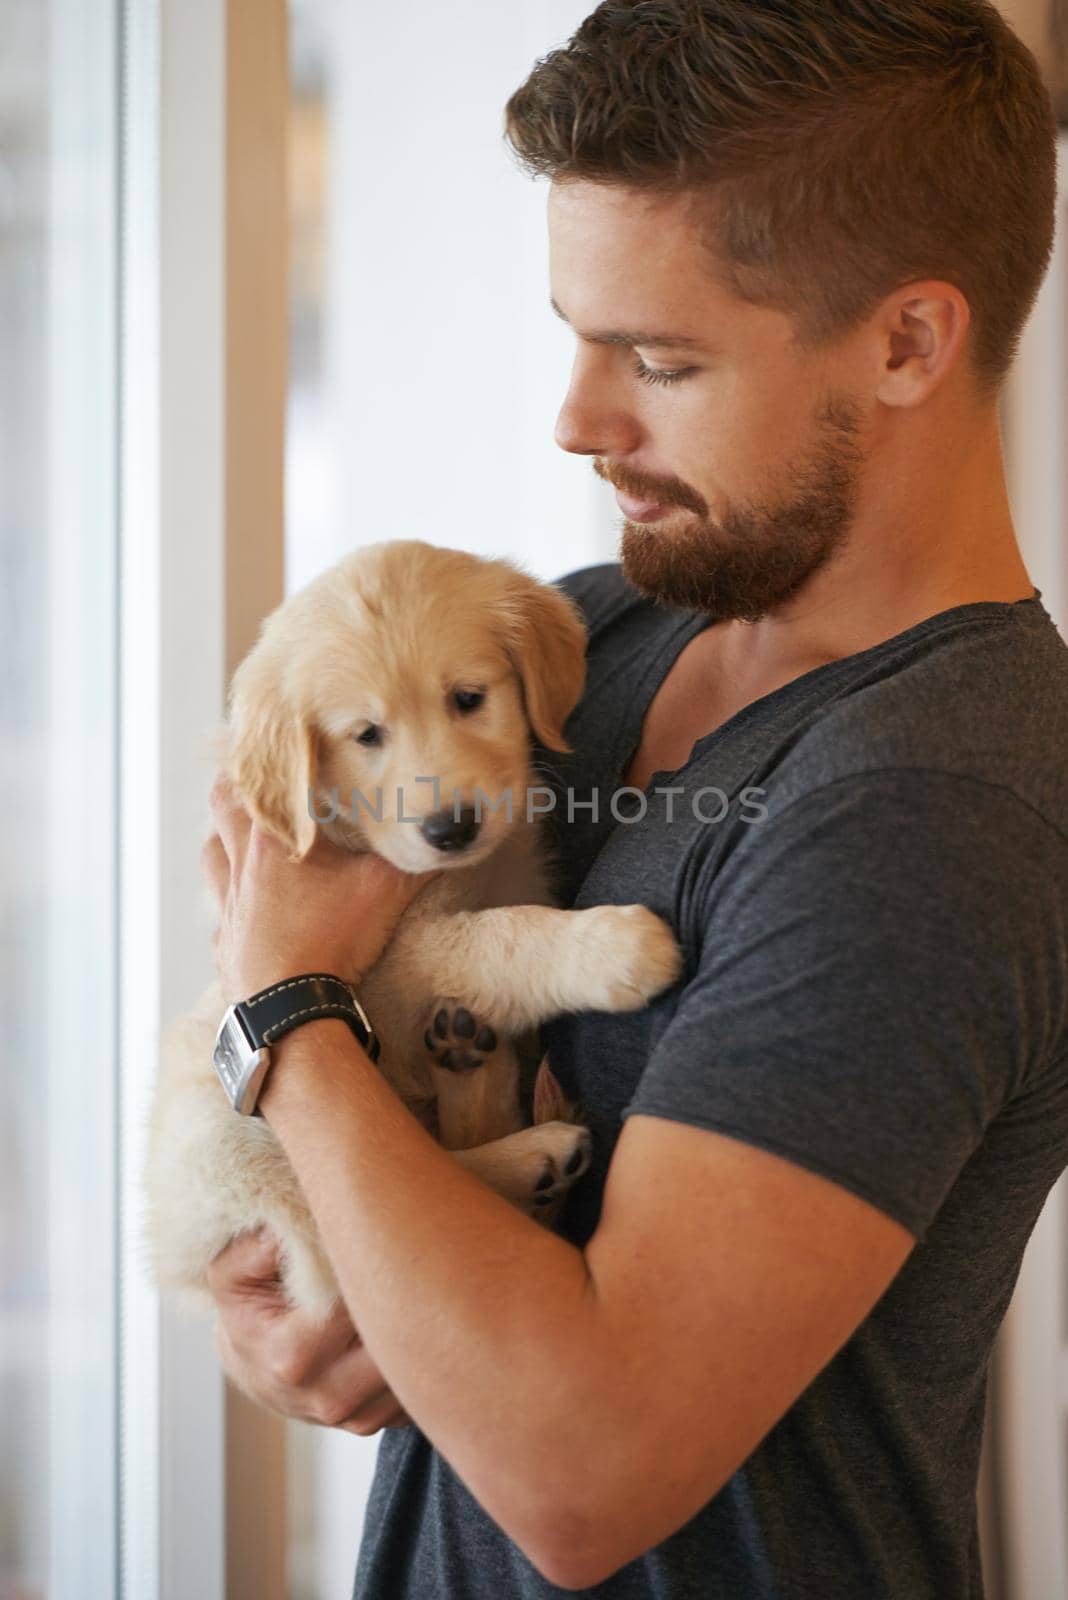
(640, 510)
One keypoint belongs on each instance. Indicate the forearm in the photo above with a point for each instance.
(485, 1325)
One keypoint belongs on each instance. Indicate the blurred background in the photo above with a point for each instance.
(270, 288)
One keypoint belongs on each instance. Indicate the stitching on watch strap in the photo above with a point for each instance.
(335, 1011)
(291, 983)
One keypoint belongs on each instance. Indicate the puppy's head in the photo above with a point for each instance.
(396, 695)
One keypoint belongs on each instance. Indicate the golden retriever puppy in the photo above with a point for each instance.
(391, 703)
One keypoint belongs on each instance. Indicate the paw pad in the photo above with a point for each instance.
(456, 1041)
(558, 1175)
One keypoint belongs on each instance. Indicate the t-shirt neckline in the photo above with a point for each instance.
(694, 623)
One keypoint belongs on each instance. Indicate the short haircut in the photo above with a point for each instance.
(828, 151)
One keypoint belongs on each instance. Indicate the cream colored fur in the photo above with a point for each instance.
(386, 638)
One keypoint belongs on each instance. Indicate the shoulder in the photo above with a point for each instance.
(983, 710)
(604, 597)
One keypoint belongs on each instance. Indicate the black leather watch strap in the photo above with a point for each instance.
(274, 1012)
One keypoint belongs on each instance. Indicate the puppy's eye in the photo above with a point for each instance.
(370, 735)
(469, 699)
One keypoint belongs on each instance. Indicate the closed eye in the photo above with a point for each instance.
(655, 375)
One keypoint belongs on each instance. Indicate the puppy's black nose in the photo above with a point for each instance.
(447, 832)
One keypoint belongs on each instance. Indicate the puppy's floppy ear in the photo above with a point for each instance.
(272, 756)
(548, 646)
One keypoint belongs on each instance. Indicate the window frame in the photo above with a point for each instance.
(202, 361)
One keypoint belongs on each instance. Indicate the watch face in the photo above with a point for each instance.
(241, 1067)
(231, 1056)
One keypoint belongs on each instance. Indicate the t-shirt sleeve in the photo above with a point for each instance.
(873, 982)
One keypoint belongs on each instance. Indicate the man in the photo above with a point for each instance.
(796, 244)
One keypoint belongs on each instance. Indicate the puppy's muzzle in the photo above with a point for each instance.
(445, 831)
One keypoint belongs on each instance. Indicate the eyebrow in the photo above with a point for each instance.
(658, 341)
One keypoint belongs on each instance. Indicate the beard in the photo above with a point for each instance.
(762, 553)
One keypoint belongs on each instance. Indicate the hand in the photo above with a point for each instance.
(281, 1359)
(331, 912)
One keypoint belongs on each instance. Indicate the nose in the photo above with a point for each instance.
(445, 831)
(593, 420)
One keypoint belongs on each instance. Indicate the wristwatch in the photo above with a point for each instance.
(242, 1053)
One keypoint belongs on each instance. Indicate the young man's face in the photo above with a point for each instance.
(757, 450)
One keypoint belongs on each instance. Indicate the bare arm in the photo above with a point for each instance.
(557, 1382)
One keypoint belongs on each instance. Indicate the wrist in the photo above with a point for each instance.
(253, 1032)
(308, 1058)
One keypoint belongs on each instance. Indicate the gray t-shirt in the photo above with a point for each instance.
(868, 873)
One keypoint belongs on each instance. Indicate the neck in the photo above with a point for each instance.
(932, 530)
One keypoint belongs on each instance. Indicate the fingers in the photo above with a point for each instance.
(231, 819)
(354, 1397)
(336, 1336)
(272, 1347)
(351, 1394)
(249, 1260)
(288, 1349)
(348, 1393)
(215, 867)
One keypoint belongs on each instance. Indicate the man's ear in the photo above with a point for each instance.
(547, 643)
(272, 757)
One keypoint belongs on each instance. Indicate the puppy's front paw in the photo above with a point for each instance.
(455, 1039)
(625, 956)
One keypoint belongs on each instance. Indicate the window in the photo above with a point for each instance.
(58, 736)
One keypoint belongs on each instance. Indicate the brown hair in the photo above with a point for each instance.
(832, 150)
